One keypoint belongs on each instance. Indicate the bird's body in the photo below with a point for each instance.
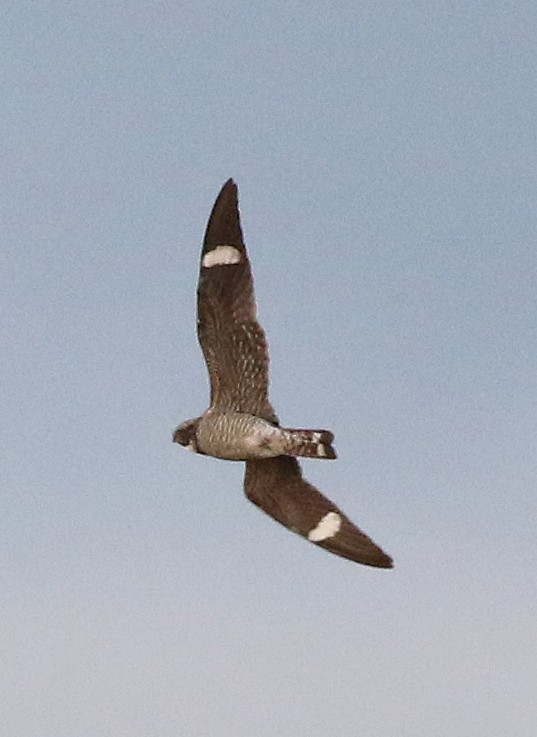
(240, 423)
(238, 436)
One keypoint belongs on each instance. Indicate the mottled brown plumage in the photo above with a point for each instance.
(240, 423)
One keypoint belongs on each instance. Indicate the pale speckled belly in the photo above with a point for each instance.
(235, 436)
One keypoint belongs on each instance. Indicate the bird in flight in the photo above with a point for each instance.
(240, 423)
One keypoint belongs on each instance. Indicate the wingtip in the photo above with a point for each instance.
(376, 558)
(223, 227)
(229, 184)
(373, 559)
(228, 193)
(386, 562)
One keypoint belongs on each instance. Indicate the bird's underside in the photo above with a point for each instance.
(240, 423)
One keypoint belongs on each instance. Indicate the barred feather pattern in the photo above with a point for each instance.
(238, 436)
(310, 443)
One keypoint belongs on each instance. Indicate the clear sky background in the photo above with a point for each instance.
(386, 156)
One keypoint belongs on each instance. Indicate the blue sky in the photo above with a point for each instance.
(386, 159)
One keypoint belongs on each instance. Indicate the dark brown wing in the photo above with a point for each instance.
(232, 341)
(276, 485)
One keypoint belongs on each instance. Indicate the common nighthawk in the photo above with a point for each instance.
(240, 424)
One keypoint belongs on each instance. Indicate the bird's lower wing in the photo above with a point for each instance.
(276, 486)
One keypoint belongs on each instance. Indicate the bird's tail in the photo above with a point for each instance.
(310, 443)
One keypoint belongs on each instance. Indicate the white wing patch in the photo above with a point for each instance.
(327, 527)
(221, 256)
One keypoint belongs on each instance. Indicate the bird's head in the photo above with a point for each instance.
(185, 434)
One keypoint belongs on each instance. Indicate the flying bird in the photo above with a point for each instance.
(240, 423)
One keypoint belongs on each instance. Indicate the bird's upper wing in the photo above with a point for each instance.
(233, 342)
(277, 486)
